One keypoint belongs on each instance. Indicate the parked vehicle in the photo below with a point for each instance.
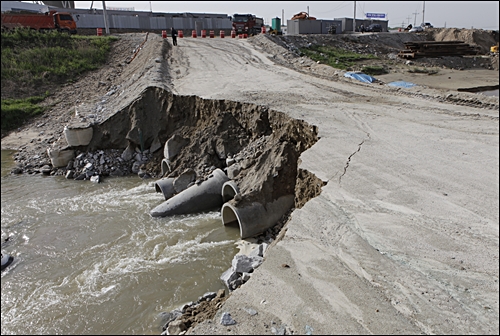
(247, 24)
(416, 29)
(60, 21)
(427, 25)
(374, 27)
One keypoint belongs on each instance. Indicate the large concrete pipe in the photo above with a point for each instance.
(165, 167)
(197, 198)
(229, 190)
(166, 186)
(255, 218)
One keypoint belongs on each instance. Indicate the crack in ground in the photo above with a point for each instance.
(350, 156)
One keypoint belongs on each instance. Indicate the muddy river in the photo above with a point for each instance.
(89, 259)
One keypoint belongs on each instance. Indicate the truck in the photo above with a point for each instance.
(52, 20)
(247, 24)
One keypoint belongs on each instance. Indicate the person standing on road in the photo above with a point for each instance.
(174, 36)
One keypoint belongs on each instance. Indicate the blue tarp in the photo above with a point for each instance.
(402, 84)
(360, 76)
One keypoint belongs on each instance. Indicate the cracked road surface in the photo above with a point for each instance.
(407, 243)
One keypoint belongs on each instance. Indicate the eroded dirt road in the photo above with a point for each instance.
(403, 238)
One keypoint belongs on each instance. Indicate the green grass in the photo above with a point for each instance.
(374, 70)
(17, 111)
(33, 62)
(335, 57)
(35, 59)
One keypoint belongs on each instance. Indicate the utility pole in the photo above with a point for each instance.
(408, 18)
(423, 14)
(307, 10)
(106, 27)
(282, 16)
(354, 18)
(415, 21)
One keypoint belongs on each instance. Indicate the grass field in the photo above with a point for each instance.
(34, 62)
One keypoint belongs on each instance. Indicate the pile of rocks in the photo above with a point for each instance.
(87, 165)
(178, 321)
(242, 266)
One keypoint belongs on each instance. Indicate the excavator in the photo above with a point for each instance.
(303, 16)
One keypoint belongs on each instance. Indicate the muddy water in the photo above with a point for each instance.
(90, 259)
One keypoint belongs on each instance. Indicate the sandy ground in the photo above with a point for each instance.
(403, 238)
(446, 79)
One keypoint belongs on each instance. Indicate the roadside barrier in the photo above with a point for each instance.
(240, 35)
(164, 33)
(99, 31)
(245, 35)
(181, 34)
(193, 33)
(233, 34)
(203, 33)
(221, 33)
(263, 30)
(212, 34)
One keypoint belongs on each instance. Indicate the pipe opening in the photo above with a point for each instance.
(165, 186)
(229, 216)
(229, 190)
(165, 167)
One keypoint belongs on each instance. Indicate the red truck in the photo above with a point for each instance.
(247, 24)
(62, 22)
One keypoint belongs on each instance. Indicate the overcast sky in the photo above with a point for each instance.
(459, 14)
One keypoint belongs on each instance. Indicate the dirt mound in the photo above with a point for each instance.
(484, 39)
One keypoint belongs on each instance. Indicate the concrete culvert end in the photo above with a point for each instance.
(229, 190)
(197, 198)
(165, 167)
(255, 218)
(165, 186)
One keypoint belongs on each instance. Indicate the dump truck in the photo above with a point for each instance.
(247, 24)
(52, 20)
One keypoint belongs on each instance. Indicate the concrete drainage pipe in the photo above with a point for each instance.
(165, 167)
(166, 186)
(256, 218)
(197, 198)
(229, 190)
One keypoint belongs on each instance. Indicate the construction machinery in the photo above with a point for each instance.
(494, 49)
(247, 24)
(276, 27)
(302, 16)
(52, 20)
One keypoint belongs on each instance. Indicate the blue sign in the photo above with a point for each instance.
(375, 15)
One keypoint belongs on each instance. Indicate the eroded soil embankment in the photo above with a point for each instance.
(261, 146)
(258, 148)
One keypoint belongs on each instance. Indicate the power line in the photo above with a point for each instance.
(342, 5)
(415, 22)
